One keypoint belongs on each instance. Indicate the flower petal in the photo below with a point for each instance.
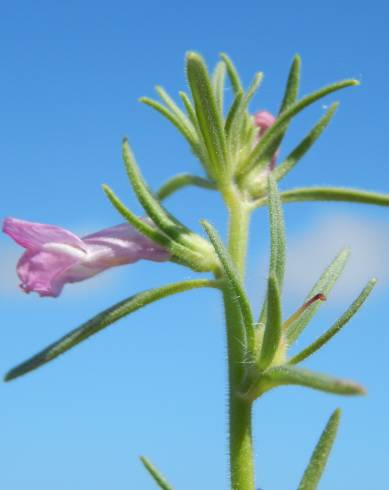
(44, 272)
(123, 245)
(33, 236)
(55, 256)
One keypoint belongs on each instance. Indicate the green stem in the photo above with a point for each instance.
(241, 446)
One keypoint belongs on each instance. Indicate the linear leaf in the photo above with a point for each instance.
(139, 224)
(178, 113)
(218, 79)
(338, 325)
(270, 141)
(277, 232)
(189, 107)
(155, 474)
(234, 281)
(184, 254)
(321, 453)
(208, 113)
(273, 330)
(234, 112)
(292, 375)
(103, 320)
(154, 209)
(335, 194)
(277, 239)
(301, 149)
(183, 180)
(200, 149)
(255, 84)
(185, 129)
(232, 73)
(323, 286)
(292, 85)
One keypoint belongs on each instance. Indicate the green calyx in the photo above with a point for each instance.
(185, 246)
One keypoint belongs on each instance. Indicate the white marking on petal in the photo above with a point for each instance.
(64, 249)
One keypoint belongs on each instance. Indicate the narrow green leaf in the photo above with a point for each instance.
(234, 129)
(277, 240)
(273, 330)
(255, 84)
(183, 180)
(175, 110)
(321, 453)
(140, 225)
(103, 320)
(337, 326)
(277, 232)
(238, 117)
(234, 282)
(200, 150)
(234, 112)
(154, 209)
(335, 194)
(270, 141)
(292, 375)
(218, 79)
(189, 108)
(208, 114)
(301, 149)
(292, 85)
(155, 474)
(232, 73)
(180, 253)
(185, 129)
(188, 123)
(323, 286)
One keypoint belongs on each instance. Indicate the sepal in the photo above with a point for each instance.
(200, 249)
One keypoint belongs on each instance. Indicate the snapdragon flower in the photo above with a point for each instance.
(55, 256)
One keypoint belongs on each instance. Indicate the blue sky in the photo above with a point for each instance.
(155, 384)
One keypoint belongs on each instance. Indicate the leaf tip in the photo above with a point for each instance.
(373, 281)
(10, 375)
(361, 390)
(193, 56)
(336, 414)
(297, 59)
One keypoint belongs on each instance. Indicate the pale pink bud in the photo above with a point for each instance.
(263, 120)
(55, 256)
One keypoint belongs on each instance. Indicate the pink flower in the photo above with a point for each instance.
(263, 120)
(55, 256)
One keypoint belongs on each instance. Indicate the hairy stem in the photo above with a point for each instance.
(241, 446)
